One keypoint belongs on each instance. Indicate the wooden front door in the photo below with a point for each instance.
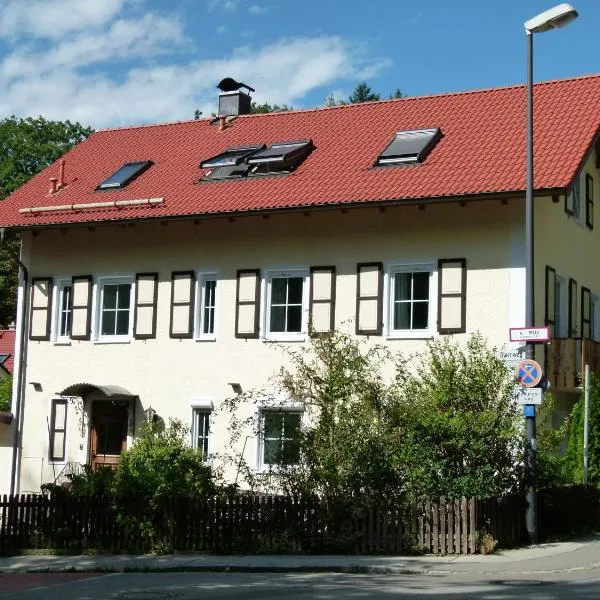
(108, 434)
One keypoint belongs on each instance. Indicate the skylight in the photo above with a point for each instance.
(280, 157)
(228, 172)
(410, 147)
(125, 174)
(231, 157)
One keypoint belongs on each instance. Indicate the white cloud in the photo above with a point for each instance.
(127, 71)
(257, 9)
(149, 35)
(54, 18)
(222, 29)
(230, 5)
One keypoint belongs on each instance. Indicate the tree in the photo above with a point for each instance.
(362, 93)
(396, 94)
(445, 425)
(265, 107)
(26, 147)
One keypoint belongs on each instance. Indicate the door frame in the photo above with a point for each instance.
(127, 402)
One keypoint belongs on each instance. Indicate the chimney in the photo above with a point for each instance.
(232, 101)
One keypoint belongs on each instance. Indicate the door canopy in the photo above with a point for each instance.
(83, 390)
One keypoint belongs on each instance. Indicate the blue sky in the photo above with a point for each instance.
(122, 62)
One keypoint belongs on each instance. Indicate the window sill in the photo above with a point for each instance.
(300, 337)
(275, 470)
(113, 341)
(212, 338)
(62, 342)
(410, 335)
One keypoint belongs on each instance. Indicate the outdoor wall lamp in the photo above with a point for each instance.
(236, 387)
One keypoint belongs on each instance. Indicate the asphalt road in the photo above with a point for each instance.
(577, 585)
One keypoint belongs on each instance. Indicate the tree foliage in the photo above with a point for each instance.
(574, 457)
(363, 93)
(265, 107)
(5, 393)
(26, 147)
(444, 424)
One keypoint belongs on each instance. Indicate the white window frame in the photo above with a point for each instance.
(201, 278)
(59, 285)
(274, 406)
(99, 285)
(282, 336)
(392, 269)
(579, 201)
(205, 405)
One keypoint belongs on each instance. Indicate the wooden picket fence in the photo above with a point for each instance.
(258, 524)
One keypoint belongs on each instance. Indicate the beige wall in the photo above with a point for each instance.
(168, 373)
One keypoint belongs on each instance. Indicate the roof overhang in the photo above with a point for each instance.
(83, 390)
(338, 205)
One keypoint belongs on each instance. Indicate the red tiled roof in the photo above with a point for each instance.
(7, 346)
(482, 151)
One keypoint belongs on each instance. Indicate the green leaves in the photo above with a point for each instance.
(5, 393)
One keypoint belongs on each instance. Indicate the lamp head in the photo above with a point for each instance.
(553, 18)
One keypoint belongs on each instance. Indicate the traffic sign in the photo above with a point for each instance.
(529, 334)
(528, 372)
(528, 395)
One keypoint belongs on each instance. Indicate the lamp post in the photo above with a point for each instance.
(553, 18)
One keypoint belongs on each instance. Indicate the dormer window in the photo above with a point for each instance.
(410, 147)
(230, 164)
(281, 157)
(125, 175)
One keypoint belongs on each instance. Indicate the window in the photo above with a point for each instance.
(231, 157)
(125, 175)
(201, 429)
(114, 314)
(207, 296)
(280, 436)
(595, 318)
(411, 300)
(286, 301)
(589, 201)
(410, 147)
(561, 299)
(281, 157)
(64, 310)
(58, 430)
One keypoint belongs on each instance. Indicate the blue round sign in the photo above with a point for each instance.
(528, 372)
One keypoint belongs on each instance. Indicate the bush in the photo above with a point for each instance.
(5, 393)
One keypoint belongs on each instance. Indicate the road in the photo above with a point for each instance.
(581, 584)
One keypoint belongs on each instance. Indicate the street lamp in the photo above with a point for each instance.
(553, 18)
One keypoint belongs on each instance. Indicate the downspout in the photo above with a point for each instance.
(20, 390)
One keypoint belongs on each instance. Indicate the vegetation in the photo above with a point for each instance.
(5, 393)
(26, 147)
(443, 425)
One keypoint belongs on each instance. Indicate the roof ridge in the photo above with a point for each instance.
(359, 104)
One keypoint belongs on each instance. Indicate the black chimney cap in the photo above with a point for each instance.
(231, 85)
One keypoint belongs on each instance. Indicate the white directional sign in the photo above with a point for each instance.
(528, 395)
(511, 355)
(529, 334)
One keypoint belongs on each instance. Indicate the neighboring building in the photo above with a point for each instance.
(157, 283)
(7, 352)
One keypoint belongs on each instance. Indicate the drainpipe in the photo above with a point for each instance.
(20, 390)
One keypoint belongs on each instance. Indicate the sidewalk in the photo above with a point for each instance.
(542, 558)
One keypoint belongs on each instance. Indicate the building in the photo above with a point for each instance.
(170, 261)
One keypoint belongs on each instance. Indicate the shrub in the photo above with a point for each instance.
(5, 393)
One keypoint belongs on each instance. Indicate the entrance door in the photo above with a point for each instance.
(108, 435)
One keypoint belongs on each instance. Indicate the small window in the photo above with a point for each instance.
(595, 317)
(201, 430)
(58, 430)
(561, 300)
(411, 296)
(64, 310)
(114, 316)
(280, 438)
(410, 147)
(281, 157)
(126, 174)
(589, 201)
(286, 301)
(207, 297)
(231, 157)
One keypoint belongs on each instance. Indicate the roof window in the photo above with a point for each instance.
(281, 157)
(410, 147)
(125, 174)
(231, 157)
